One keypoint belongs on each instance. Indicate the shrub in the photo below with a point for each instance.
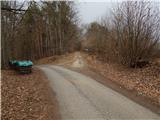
(137, 26)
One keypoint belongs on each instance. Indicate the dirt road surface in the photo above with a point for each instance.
(81, 97)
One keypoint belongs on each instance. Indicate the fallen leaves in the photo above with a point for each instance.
(27, 97)
(145, 81)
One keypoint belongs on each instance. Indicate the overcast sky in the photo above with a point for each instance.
(93, 10)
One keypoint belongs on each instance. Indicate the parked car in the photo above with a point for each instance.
(23, 67)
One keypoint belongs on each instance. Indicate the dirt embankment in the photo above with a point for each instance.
(145, 81)
(27, 97)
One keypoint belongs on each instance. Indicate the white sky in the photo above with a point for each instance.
(93, 10)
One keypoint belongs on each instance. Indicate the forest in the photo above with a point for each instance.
(55, 66)
(33, 30)
(130, 36)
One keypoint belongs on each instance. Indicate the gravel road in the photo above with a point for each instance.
(81, 97)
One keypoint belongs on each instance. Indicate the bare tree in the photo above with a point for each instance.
(43, 29)
(137, 26)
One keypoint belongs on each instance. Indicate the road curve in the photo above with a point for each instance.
(81, 97)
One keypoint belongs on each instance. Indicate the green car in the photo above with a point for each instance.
(23, 67)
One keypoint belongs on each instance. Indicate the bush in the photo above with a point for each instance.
(137, 32)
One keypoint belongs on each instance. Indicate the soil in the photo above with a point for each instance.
(27, 97)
